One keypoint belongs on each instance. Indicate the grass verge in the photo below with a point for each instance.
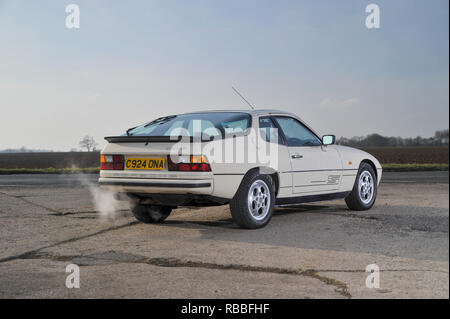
(413, 167)
(50, 170)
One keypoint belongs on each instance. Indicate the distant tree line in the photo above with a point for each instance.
(23, 149)
(440, 138)
(87, 143)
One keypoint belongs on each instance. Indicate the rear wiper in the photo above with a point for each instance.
(160, 120)
(128, 131)
(157, 121)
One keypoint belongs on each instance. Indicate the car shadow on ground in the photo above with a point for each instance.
(227, 223)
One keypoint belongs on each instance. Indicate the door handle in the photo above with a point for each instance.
(297, 156)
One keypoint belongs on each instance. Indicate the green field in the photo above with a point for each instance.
(50, 170)
(393, 167)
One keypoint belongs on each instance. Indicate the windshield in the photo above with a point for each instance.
(196, 124)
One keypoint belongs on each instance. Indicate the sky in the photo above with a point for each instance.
(133, 61)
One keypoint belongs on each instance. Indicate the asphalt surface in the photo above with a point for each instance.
(311, 251)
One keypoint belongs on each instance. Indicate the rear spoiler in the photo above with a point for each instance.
(155, 139)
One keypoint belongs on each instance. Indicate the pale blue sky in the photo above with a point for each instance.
(132, 61)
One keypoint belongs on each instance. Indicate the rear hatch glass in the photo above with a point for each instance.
(146, 147)
(213, 124)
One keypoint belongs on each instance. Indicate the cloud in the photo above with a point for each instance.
(331, 102)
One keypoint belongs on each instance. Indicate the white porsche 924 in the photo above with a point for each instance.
(253, 160)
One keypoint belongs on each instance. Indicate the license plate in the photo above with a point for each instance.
(145, 163)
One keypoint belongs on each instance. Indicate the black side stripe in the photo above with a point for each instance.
(311, 185)
(323, 170)
(313, 170)
(309, 198)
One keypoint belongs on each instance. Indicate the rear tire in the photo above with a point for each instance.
(252, 206)
(150, 214)
(365, 189)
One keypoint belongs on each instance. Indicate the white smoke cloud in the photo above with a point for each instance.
(103, 200)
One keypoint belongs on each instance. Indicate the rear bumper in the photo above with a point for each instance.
(155, 186)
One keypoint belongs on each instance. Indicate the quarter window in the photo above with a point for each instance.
(268, 130)
(296, 133)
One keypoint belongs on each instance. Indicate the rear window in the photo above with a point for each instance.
(195, 124)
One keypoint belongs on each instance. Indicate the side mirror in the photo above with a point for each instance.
(328, 139)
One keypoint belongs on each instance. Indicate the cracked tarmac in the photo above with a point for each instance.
(311, 251)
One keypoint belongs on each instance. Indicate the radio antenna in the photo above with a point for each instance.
(237, 92)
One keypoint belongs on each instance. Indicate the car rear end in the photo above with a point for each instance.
(158, 162)
(140, 168)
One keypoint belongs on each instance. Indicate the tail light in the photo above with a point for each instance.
(111, 162)
(192, 163)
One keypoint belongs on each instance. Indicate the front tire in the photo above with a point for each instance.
(150, 214)
(252, 206)
(365, 189)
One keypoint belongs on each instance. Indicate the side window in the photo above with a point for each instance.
(235, 126)
(296, 134)
(268, 130)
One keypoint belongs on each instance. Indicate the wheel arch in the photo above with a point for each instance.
(372, 164)
(267, 171)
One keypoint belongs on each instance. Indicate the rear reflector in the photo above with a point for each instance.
(111, 162)
(197, 164)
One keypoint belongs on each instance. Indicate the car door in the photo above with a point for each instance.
(315, 168)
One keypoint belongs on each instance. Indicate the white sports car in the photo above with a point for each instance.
(252, 160)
